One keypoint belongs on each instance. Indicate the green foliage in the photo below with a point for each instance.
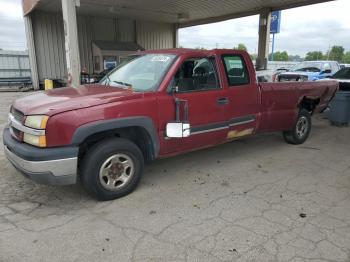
(241, 47)
(279, 56)
(346, 58)
(336, 53)
(295, 58)
(253, 56)
(314, 56)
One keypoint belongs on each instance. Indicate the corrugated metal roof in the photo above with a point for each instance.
(116, 45)
(184, 12)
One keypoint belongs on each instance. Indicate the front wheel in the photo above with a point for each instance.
(301, 130)
(112, 168)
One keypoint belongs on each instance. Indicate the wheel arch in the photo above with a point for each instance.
(140, 130)
(309, 103)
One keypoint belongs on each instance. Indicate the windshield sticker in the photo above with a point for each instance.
(160, 58)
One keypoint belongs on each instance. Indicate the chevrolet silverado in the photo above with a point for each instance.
(158, 104)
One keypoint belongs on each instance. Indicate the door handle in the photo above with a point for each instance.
(222, 101)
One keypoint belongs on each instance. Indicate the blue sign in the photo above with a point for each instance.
(275, 26)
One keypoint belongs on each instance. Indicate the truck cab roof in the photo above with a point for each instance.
(189, 51)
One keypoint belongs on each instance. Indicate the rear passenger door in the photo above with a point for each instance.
(243, 95)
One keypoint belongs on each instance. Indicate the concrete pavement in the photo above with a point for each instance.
(257, 199)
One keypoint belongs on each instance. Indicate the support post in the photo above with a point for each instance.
(264, 39)
(31, 51)
(176, 36)
(71, 41)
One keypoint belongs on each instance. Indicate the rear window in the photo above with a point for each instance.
(236, 70)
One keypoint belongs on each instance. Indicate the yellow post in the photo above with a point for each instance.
(48, 84)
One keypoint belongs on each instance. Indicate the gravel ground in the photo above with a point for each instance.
(257, 199)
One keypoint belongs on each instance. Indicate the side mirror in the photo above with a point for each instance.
(178, 130)
(327, 71)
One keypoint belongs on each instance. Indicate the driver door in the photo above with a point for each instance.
(196, 83)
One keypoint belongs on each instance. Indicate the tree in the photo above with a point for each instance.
(241, 47)
(295, 58)
(279, 56)
(253, 56)
(336, 53)
(314, 56)
(346, 58)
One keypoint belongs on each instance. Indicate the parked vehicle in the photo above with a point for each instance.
(343, 77)
(86, 78)
(159, 104)
(344, 65)
(309, 71)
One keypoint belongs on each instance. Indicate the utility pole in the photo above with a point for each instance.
(329, 51)
(273, 46)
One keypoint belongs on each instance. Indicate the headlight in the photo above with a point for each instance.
(37, 121)
(39, 141)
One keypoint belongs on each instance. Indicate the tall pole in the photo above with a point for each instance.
(273, 46)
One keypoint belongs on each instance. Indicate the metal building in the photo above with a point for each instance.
(14, 64)
(60, 33)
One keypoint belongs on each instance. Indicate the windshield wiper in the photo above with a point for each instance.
(108, 80)
(122, 83)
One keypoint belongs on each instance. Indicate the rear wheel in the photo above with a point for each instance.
(112, 168)
(301, 130)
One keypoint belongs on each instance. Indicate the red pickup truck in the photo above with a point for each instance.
(158, 104)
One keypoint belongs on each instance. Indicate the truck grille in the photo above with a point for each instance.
(18, 115)
(290, 78)
(18, 135)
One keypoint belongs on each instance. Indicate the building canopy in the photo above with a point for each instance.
(182, 12)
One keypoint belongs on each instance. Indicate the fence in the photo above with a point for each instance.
(14, 64)
(273, 65)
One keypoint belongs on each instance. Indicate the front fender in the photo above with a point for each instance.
(89, 129)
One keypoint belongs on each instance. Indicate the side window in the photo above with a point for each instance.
(236, 70)
(197, 74)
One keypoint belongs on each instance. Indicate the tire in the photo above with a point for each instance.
(112, 169)
(301, 129)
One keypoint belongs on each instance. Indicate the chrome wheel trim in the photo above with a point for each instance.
(302, 127)
(116, 172)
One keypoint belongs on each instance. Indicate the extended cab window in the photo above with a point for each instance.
(236, 70)
(197, 74)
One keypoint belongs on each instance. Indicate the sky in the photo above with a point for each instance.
(303, 29)
(310, 28)
(12, 35)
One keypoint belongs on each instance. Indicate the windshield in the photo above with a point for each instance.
(308, 67)
(342, 73)
(141, 73)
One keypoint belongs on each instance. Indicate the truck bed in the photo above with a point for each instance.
(280, 101)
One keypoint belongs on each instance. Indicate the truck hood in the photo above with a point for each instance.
(65, 99)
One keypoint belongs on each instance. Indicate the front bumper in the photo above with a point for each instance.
(50, 166)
